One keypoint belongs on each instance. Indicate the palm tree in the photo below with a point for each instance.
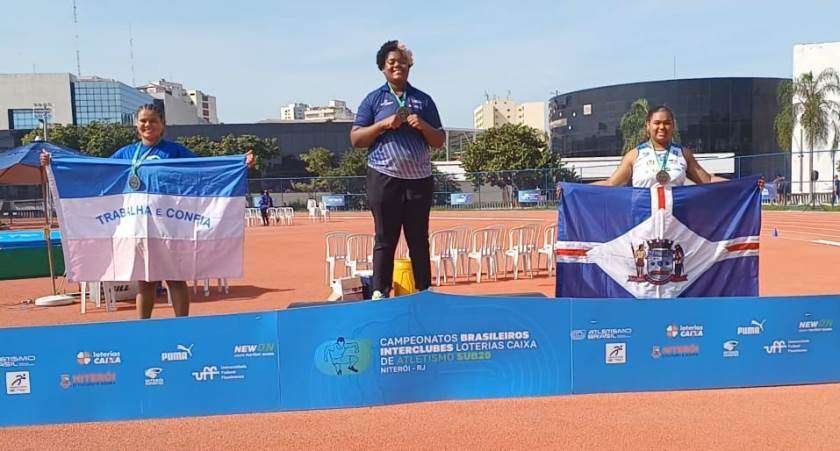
(632, 124)
(815, 111)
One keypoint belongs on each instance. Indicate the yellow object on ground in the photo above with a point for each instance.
(403, 277)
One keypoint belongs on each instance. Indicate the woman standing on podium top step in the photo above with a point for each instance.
(398, 124)
(659, 160)
(151, 125)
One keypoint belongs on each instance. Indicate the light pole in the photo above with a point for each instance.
(43, 110)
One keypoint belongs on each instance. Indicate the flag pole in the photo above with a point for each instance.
(48, 226)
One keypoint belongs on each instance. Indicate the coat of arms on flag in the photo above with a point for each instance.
(185, 221)
(662, 242)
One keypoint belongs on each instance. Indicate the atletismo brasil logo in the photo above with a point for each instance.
(343, 357)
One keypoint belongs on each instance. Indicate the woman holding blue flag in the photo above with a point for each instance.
(659, 160)
(151, 125)
(398, 124)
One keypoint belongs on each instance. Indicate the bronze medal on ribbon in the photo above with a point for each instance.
(663, 177)
(402, 112)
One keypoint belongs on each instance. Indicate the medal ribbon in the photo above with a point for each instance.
(135, 161)
(663, 166)
(400, 101)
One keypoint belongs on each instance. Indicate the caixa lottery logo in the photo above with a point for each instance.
(343, 356)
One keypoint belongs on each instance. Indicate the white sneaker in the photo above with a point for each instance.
(377, 295)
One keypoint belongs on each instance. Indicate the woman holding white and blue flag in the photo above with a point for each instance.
(659, 161)
(398, 124)
(151, 126)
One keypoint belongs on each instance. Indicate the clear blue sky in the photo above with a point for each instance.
(255, 56)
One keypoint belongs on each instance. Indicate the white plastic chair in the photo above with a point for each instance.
(440, 244)
(500, 244)
(359, 253)
(548, 248)
(221, 282)
(460, 249)
(92, 290)
(484, 246)
(275, 216)
(314, 211)
(522, 241)
(253, 217)
(402, 248)
(288, 215)
(336, 245)
(324, 211)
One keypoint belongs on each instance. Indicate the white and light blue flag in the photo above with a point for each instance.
(185, 222)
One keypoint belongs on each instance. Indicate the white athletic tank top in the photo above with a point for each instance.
(649, 162)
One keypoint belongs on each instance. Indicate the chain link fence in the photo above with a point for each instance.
(791, 179)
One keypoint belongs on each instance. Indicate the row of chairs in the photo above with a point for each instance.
(460, 247)
(453, 251)
(318, 211)
(276, 215)
(117, 291)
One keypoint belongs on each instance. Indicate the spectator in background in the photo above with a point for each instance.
(836, 186)
(266, 202)
(514, 200)
(778, 183)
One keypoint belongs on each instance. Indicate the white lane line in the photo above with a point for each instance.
(828, 242)
(449, 218)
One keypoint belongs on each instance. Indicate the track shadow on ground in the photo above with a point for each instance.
(237, 293)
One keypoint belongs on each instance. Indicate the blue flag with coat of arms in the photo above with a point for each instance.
(659, 242)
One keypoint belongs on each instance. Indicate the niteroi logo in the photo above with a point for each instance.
(343, 356)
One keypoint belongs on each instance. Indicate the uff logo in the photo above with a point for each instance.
(208, 373)
(777, 347)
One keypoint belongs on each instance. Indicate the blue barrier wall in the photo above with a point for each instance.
(423, 347)
(139, 369)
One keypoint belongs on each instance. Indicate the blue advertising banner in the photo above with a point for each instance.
(529, 196)
(711, 343)
(333, 200)
(423, 347)
(460, 198)
(139, 369)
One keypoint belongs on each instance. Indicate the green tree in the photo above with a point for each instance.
(438, 154)
(813, 107)
(784, 121)
(815, 111)
(99, 139)
(632, 125)
(500, 151)
(320, 162)
(62, 135)
(201, 145)
(353, 163)
(263, 148)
